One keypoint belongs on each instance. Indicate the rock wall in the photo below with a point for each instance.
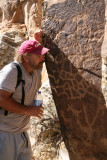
(74, 32)
(19, 19)
(104, 58)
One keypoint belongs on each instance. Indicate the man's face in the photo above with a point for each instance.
(36, 61)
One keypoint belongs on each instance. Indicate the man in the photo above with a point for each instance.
(14, 141)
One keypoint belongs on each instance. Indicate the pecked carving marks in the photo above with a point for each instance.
(76, 91)
(79, 34)
(79, 104)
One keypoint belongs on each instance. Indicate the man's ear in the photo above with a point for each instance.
(26, 57)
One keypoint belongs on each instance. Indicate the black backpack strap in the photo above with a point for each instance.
(19, 80)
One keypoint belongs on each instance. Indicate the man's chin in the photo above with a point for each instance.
(40, 67)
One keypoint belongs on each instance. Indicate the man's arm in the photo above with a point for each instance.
(7, 103)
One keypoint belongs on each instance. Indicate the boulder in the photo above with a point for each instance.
(74, 33)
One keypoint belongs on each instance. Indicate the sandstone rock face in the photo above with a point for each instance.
(22, 12)
(19, 19)
(10, 39)
(74, 33)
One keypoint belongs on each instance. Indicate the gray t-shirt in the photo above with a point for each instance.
(15, 123)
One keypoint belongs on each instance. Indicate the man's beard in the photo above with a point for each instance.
(39, 66)
(34, 66)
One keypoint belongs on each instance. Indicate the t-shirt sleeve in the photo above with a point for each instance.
(8, 78)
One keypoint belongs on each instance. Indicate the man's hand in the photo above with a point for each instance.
(7, 103)
(38, 35)
(36, 111)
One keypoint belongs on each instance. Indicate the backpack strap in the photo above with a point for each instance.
(19, 80)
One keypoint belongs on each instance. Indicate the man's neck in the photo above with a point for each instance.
(27, 68)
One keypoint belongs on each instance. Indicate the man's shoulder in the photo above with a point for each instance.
(8, 69)
(9, 65)
(8, 78)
